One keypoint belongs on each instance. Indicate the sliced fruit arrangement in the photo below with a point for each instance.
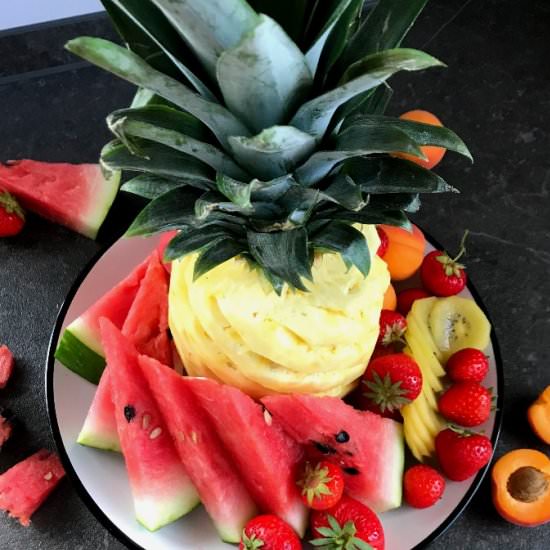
(521, 487)
(12, 216)
(322, 484)
(25, 486)
(77, 196)
(466, 403)
(538, 416)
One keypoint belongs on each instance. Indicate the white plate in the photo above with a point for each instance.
(100, 477)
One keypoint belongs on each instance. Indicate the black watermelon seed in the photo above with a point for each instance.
(349, 453)
(325, 449)
(129, 413)
(342, 437)
(352, 471)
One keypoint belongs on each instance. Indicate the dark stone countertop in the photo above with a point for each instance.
(495, 94)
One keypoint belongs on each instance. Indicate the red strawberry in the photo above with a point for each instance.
(468, 364)
(322, 485)
(466, 403)
(461, 453)
(6, 365)
(389, 383)
(269, 532)
(348, 525)
(12, 217)
(384, 242)
(443, 275)
(423, 486)
(406, 298)
(392, 328)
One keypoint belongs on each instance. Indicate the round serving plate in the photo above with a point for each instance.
(100, 477)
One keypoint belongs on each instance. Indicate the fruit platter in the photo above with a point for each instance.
(273, 355)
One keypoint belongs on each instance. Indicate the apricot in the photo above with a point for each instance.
(390, 299)
(405, 251)
(538, 416)
(521, 487)
(432, 153)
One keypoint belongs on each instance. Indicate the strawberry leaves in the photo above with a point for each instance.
(337, 537)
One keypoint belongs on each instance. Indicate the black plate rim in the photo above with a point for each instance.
(127, 541)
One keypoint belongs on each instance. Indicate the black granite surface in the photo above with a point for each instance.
(495, 94)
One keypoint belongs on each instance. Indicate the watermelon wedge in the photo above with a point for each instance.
(146, 326)
(25, 486)
(369, 448)
(266, 457)
(6, 365)
(80, 347)
(161, 489)
(77, 196)
(204, 457)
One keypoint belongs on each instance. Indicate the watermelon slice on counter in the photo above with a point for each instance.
(25, 486)
(161, 490)
(80, 348)
(220, 487)
(264, 454)
(78, 196)
(368, 448)
(146, 327)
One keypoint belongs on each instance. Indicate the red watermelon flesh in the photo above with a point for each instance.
(161, 489)
(369, 448)
(6, 365)
(165, 238)
(220, 487)
(267, 459)
(80, 347)
(25, 486)
(77, 196)
(146, 326)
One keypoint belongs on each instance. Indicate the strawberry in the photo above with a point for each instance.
(466, 403)
(461, 453)
(384, 242)
(423, 486)
(468, 364)
(406, 298)
(12, 217)
(269, 532)
(443, 275)
(389, 383)
(6, 365)
(322, 485)
(392, 328)
(350, 525)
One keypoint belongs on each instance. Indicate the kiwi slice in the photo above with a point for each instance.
(456, 323)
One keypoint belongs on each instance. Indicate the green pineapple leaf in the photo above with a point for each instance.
(154, 159)
(408, 202)
(349, 242)
(285, 254)
(314, 116)
(274, 152)
(219, 251)
(212, 202)
(129, 66)
(173, 210)
(391, 175)
(271, 190)
(209, 27)
(344, 191)
(273, 71)
(236, 191)
(147, 32)
(190, 240)
(151, 187)
(421, 134)
(368, 215)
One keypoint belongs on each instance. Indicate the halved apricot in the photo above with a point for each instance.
(538, 416)
(521, 487)
(390, 299)
(405, 251)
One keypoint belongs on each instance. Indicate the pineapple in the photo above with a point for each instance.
(258, 132)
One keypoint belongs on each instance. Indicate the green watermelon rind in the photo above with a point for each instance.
(103, 201)
(79, 357)
(102, 444)
(398, 456)
(155, 514)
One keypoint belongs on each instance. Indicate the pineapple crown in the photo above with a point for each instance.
(258, 127)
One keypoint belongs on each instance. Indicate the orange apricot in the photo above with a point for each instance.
(405, 251)
(538, 416)
(432, 153)
(521, 487)
(390, 299)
